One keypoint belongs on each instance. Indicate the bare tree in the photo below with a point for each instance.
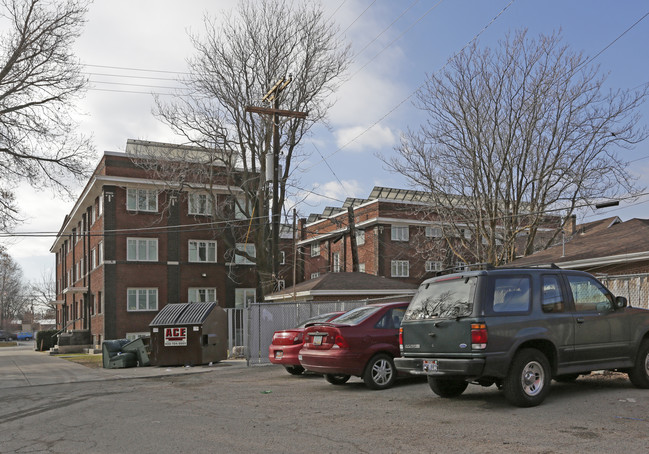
(43, 293)
(512, 134)
(238, 59)
(39, 81)
(12, 301)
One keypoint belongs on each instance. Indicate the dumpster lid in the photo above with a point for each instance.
(183, 314)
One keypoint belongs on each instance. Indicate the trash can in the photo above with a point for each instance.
(189, 335)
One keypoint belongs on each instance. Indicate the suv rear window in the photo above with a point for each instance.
(443, 299)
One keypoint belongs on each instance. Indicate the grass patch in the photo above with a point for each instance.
(92, 361)
(8, 344)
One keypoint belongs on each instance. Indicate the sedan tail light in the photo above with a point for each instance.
(340, 342)
(298, 338)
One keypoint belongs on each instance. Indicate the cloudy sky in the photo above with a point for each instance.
(132, 48)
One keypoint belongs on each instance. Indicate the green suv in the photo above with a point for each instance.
(519, 328)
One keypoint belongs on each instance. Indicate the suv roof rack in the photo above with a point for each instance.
(552, 266)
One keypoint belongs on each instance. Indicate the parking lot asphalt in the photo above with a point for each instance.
(22, 366)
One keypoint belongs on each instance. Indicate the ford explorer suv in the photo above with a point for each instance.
(519, 329)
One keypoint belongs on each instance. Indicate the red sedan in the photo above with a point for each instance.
(287, 343)
(362, 342)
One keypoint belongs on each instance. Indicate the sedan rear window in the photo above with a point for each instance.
(355, 316)
(443, 299)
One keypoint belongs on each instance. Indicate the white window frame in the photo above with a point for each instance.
(434, 231)
(198, 204)
(361, 267)
(145, 306)
(250, 249)
(433, 265)
(100, 205)
(137, 241)
(100, 248)
(201, 295)
(360, 237)
(196, 245)
(93, 258)
(242, 296)
(400, 233)
(335, 262)
(93, 214)
(315, 249)
(134, 196)
(400, 268)
(315, 275)
(281, 285)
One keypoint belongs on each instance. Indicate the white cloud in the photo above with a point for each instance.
(359, 138)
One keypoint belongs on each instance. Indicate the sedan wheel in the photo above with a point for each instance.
(337, 379)
(295, 370)
(380, 372)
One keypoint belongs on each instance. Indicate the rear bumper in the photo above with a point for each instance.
(286, 355)
(332, 361)
(465, 367)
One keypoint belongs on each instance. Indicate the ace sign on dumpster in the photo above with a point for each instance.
(175, 337)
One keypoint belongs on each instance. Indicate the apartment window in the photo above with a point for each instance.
(249, 249)
(433, 232)
(399, 233)
(240, 208)
(100, 205)
(142, 299)
(281, 285)
(335, 258)
(461, 266)
(133, 336)
(433, 266)
(199, 204)
(244, 297)
(77, 274)
(93, 259)
(282, 258)
(202, 251)
(466, 233)
(314, 275)
(74, 235)
(100, 249)
(142, 249)
(202, 295)
(361, 267)
(93, 214)
(360, 237)
(315, 249)
(142, 200)
(400, 268)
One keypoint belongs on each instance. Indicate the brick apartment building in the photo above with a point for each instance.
(397, 236)
(129, 247)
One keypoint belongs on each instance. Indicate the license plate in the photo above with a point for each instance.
(430, 366)
(317, 340)
(279, 354)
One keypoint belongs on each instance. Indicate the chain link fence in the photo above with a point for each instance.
(251, 329)
(635, 287)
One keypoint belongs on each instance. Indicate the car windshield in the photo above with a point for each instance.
(443, 299)
(317, 319)
(355, 316)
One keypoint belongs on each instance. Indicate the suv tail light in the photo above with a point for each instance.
(478, 336)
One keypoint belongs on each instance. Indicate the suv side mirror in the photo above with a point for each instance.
(620, 302)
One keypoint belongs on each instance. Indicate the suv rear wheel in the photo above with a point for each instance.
(639, 374)
(447, 387)
(528, 381)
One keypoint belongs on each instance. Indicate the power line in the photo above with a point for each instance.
(345, 145)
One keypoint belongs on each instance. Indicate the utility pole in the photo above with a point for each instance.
(273, 96)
